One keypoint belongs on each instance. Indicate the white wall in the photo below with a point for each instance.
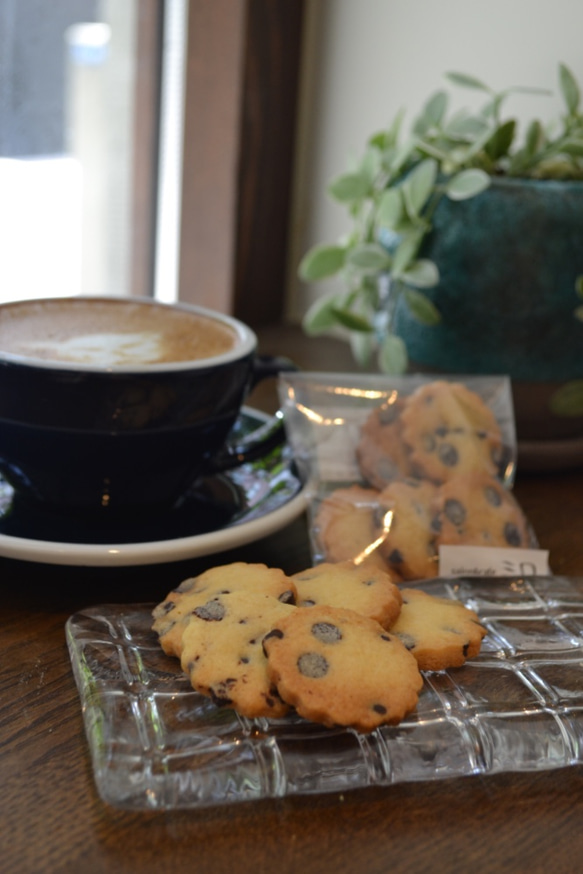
(366, 59)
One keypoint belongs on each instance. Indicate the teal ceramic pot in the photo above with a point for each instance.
(508, 261)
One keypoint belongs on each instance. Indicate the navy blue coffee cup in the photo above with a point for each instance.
(92, 436)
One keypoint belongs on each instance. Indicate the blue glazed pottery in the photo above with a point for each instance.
(508, 261)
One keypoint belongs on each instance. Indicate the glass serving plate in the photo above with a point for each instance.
(156, 744)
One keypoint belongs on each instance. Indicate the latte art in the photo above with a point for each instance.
(110, 333)
(101, 349)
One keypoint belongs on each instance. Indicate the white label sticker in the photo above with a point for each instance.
(492, 561)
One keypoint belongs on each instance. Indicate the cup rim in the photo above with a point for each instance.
(246, 345)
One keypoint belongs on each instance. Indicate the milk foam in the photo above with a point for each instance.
(107, 333)
(106, 349)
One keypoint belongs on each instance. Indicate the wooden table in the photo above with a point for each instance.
(52, 819)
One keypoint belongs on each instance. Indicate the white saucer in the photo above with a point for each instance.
(268, 508)
(118, 555)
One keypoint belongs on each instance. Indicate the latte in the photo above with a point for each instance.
(110, 332)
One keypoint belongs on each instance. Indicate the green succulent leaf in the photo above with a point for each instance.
(579, 313)
(501, 140)
(392, 355)
(464, 127)
(395, 128)
(431, 114)
(568, 400)
(423, 309)
(390, 208)
(579, 286)
(321, 315)
(569, 89)
(402, 155)
(466, 81)
(491, 109)
(353, 321)
(362, 346)
(370, 166)
(349, 186)
(429, 150)
(370, 258)
(534, 137)
(423, 273)
(321, 261)
(467, 183)
(418, 186)
(572, 146)
(406, 252)
(378, 140)
(436, 107)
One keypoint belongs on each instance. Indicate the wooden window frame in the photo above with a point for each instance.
(149, 41)
(242, 85)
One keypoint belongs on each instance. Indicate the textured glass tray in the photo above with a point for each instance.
(156, 744)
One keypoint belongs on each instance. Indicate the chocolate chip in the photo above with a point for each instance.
(379, 708)
(388, 414)
(308, 603)
(287, 597)
(512, 534)
(493, 496)
(326, 632)
(313, 665)
(396, 557)
(212, 611)
(273, 697)
(428, 442)
(272, 700)
(167, 606)
(455, 511)
(441, 431)
(407, 640)
(277, 633)
(448, 455)
(220, 693)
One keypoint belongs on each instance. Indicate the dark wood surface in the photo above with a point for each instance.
(52, 820)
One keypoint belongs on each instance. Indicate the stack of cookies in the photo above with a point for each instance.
(431, 466)
(340, 643)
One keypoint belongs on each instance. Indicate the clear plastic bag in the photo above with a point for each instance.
(398, 466)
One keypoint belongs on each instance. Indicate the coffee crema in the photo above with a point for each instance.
(106, 333)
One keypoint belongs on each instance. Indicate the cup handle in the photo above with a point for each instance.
(269, 435)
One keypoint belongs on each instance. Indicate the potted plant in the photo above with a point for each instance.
(466, 252)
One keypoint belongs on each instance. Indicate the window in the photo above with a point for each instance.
(68, 112)
(146, 147)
